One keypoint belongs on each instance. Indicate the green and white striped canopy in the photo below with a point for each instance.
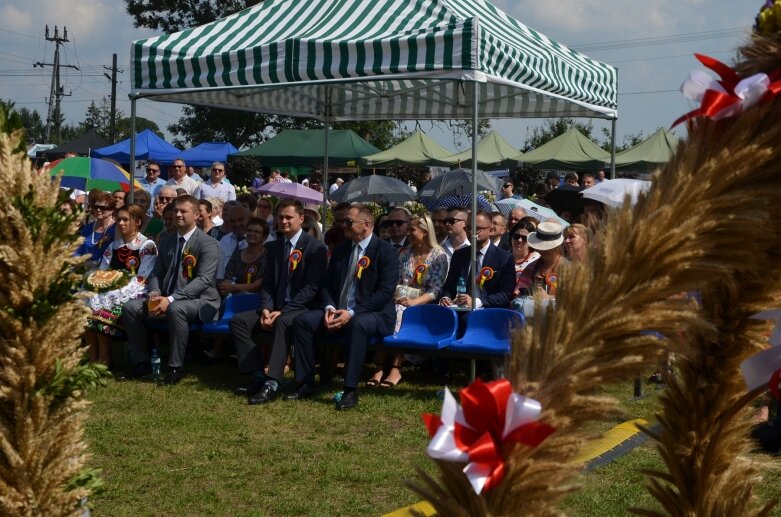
(378, 59)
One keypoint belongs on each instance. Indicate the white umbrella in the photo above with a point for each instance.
(613, 192)
(539, 212)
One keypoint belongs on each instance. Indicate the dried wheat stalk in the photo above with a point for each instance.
(42, 451)
(710, 218)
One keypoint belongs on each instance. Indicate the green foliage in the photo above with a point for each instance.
(380, 133)
(65, 383)
(10, 121)
(123, 127)
(552, 128)
(34, 127)
(88, 478)
(175, 15)
(37, 219)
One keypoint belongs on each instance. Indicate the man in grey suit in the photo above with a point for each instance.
(181, 289)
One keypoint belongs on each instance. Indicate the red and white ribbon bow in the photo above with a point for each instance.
(728, 96)
(484, 430)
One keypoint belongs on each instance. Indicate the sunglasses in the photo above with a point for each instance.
(482, 228)
(454, 220)
(519, 237)
(178, 166)
(102, 208)
(152, 170)
(218, 170)
(350, 222)
(395, 222)
(507, 186)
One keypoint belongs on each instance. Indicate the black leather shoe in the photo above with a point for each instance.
(252, 388)
(348, 401)
(304, 391)
(265, 395)
(173, 376)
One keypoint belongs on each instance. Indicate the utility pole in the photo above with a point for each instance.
(56, 92)
(113, 79)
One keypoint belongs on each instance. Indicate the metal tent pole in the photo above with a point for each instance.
(325, 184)
(132, 165)
(475, 99)
(613, 150)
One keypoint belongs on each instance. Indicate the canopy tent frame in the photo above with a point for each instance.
(514, 71)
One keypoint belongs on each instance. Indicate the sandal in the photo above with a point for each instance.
(390, 384)
(375, 380)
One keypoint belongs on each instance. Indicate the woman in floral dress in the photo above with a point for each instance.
(132, 253)
(422, 272)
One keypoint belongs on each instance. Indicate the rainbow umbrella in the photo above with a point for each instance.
(88, 173)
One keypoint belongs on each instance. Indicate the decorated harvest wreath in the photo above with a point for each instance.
(708, 227)
(102, 281)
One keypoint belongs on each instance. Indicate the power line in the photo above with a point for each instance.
(661, 40)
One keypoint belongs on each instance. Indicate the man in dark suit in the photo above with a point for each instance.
(398, 227)
(181, 289)
(495, 270)
(357, 304)
(294, 274)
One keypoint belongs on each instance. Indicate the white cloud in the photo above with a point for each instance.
(13, 17)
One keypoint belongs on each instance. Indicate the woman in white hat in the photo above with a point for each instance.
(547, 240)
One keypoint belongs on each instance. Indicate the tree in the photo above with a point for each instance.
(123, 127)
(33, 125)
(11, 122)
(551, 129)
(630, 140)
(175, 15)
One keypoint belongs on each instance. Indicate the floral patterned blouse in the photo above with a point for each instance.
(429, 276)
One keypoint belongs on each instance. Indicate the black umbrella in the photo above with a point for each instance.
(566, 198)
(375, 188)
(455, 183)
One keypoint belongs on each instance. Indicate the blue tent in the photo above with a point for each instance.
(202, 155)
(149, 146)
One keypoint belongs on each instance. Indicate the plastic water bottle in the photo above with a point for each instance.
(155, 364)
(461, 287)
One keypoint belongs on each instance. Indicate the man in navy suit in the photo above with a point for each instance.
(292, 280)
(357, 304)
(494, 275)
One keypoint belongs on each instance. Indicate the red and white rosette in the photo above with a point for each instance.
(484, 430)
(762, 367)
(728, 96)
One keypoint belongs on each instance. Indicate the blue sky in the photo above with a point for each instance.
(650, 71)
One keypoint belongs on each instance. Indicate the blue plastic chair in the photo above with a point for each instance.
(233, 305)
(425, 327)
(488, 332)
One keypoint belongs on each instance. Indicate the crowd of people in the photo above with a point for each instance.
(186, 245)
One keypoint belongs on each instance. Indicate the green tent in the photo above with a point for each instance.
(568, 151)
(382, 60)
(418, 149)
(491, 150)
(297, 147)
(650, 153)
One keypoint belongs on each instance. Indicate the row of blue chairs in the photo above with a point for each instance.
(424, 328)
(434, 328)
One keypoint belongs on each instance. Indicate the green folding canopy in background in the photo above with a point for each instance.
(491, 150)
(384, 59)
(649, 154)
(417, 149)
(298, 147)
(568, 151)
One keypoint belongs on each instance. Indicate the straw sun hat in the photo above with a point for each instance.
(548, 236)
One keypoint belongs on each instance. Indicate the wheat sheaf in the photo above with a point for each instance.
(690, 262)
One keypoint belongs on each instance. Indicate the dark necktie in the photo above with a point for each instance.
(284, 277)
(349, 281)
(175, 267)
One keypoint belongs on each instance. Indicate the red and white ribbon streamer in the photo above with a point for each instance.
(482, 432)
(728, 96)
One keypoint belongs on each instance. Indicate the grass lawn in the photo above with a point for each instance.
(196, 449)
